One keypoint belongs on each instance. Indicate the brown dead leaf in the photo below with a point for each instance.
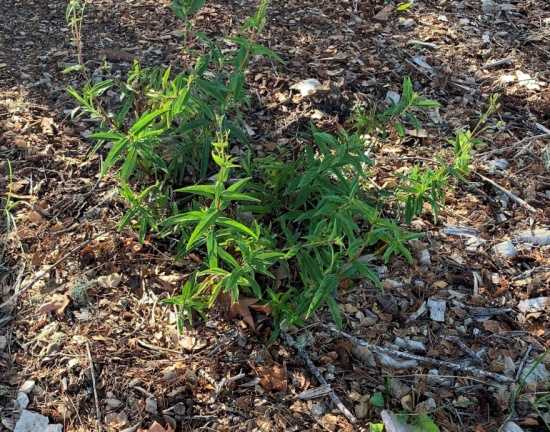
(109, 281)
(58, 304)
(38, 259)
(260, 308)
(155, 427)
(492, 326)
(272, 378)
(133, 246)
(384, 14)
(241, 308)
(537, 329)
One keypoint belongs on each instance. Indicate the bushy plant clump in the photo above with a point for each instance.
(310, 214)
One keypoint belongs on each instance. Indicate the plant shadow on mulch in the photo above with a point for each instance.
(105, 296)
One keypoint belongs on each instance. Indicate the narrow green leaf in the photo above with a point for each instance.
(203, 190)
(404, 6)
(312, 270)
(427, 103)
(108, 136)
(334, 311)
(230, 223)
(74, 68)
(129, 164)
(191, 216)
(115, 154)
(237, 132)
(228, 195)
(145, 121)
(329, 283)
(262, 50)
(205, 223)
(308, 177)
(232, 262)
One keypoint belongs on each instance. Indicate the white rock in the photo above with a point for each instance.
(306, 87)
(31, 422)
(27, 386)
(437, 309)
(22, 400)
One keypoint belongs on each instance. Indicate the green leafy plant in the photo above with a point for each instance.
(74, 15)
(235, 253)
(420, 187)
(540, 402)
(310, 212)
(465, 141)
(402, 110)
(8, 205)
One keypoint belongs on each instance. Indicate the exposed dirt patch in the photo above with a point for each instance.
(108, 291)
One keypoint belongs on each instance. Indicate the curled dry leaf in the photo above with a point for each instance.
(241, 308)
(57, 304)
(273, 377)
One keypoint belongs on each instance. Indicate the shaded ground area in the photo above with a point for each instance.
(220, 375)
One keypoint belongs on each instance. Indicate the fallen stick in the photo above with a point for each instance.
(92, 372)
(229, 339)
(499, 62)
(320, 379)
(510, 194)
(476, 359)
(43, 273)
(519, 143)
(441, 363)
(522, 362)
(424, 44)
(543, 128)
(528, 140)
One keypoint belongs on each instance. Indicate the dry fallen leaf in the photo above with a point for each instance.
(273, 377)
(155, 427)
(58, 304)
(306, 87)
(241, 308)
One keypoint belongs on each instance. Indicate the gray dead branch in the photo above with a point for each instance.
(320, 379)
(508, 193)
(479, 373)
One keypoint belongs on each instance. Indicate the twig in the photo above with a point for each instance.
(92, 370)
(424, 44)
(419, 70)
(157, 348)
(218, 386)
(543, 128)
(499, 62)
(477, 360)
(453, 366)
(516, 144)
(43, 273)
(510, 194)
(523, 360)
(226, 341)
(305, 356)
(529, 140)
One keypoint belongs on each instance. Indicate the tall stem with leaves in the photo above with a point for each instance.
(74, 15)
